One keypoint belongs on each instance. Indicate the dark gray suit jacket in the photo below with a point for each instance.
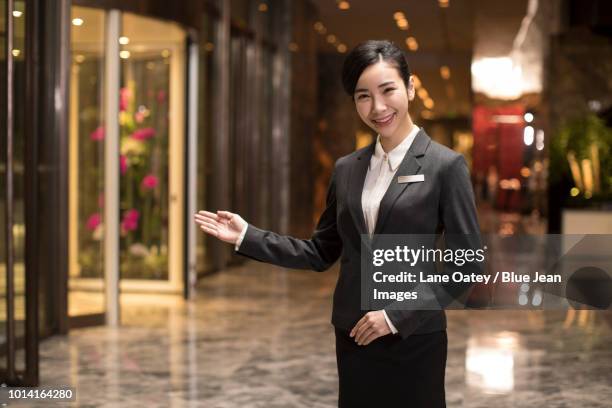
(443, 202)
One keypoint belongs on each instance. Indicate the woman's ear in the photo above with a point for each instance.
(410, 88)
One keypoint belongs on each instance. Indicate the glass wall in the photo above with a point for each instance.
(152, 123)
(151, 97)
(86, 176)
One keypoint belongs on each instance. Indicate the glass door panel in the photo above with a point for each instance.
(86, 156)
(152, 134)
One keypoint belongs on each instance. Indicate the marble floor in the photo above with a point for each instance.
(259, 336)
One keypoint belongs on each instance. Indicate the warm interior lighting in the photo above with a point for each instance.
(125, 54)
(429, 103)
(124, 40)
(165, 53)
(263, 7)
(79, 58)
(209, 46)
(341, 48)
(443, 3)
(398, 15)
(497, 78)
(16, 52)
(427, 114)
(528, 117)
(423, 94)
(445, 72)
(319, 27)
(525, 172)
(528, 134)
(17, 13)
(77, 22)
(539, 139)
(344, 5)
(412, 43)
(402, 23)
(574, 192)
(331, 38)
(293, 47)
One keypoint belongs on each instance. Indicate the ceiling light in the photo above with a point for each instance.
(318, 26)
(429, 103)
(17, 13)
(263, 7)
(344, 5)
(402, 23)
(528, 117)
(445, 72)
(124, 40)
(528, 135)
(79, 58)
(165, 53)
(331, 38)
(16, 52)
(412, 43)
(398, 15)
(77, 22)
(427, 114)
(341, 48)
(124, 54)
(443, 3)
(423, 94)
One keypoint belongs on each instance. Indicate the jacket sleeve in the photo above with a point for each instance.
(460, 222)
(317, 253)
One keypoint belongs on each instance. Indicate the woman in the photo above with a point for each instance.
(385, 357)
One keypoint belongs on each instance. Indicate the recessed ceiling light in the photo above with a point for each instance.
(445, 72)
(77, 21)
(344, 5)
(124, 40)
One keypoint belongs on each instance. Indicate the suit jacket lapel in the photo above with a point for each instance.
(356, 183)
(410, 165)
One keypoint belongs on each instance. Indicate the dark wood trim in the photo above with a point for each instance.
(33, 73)
(10, 261)
(96, 319)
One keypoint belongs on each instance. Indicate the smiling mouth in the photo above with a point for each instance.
(384, 121)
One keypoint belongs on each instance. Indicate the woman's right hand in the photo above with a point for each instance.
(224, 225)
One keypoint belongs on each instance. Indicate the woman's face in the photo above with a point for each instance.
(381, 98)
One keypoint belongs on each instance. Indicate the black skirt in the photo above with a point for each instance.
(391, 372)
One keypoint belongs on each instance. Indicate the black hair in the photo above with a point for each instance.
(368, 53)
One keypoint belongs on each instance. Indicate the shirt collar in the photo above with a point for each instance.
(397, 154)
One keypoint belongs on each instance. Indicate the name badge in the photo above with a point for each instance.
(415, 178)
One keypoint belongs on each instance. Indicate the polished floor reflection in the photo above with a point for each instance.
(259, 336)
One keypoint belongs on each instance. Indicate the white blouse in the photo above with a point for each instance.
(381, 172)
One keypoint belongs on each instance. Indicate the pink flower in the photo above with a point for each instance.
(130, 220)
(124, 98)
(149, 182)
(139, 117)
(143, 134)
(161, 96)
(97, 134)
(93, 221)
(123, 163)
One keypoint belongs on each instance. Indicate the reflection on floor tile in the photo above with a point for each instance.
(259, 336)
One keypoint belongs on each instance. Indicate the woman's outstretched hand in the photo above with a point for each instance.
(224, 225)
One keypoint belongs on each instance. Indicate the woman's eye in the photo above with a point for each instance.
(389, 89)
(362, 96)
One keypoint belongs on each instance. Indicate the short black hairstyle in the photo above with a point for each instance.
(368, 53)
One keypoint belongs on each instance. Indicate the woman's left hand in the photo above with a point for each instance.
(370, 327)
